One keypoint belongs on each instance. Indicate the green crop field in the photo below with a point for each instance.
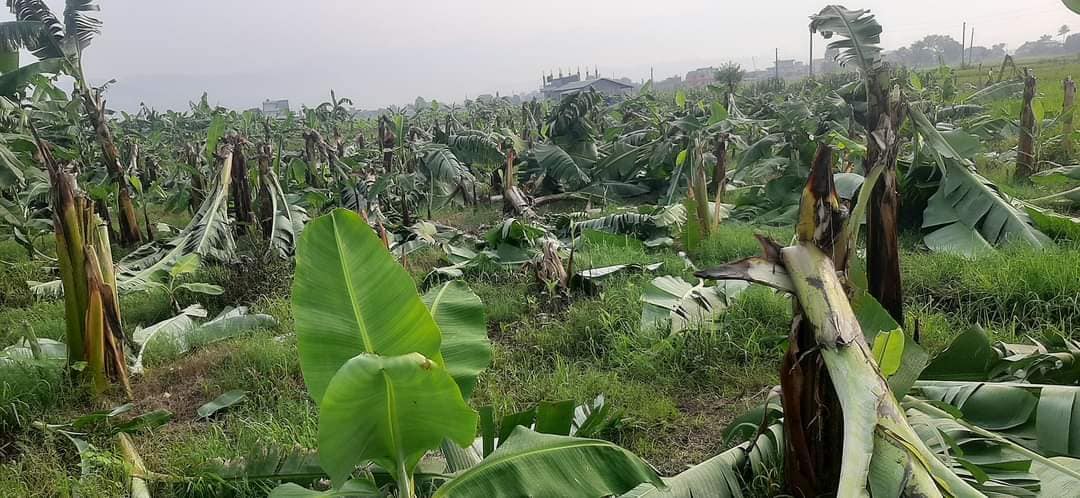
(849, 286)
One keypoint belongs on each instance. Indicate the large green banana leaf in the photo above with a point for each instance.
(1043, 418)
(287, 223)
(722, 476)
(350, 297)
(554, 162)
(535, 464)
(465, 345)
(860, 32)
(968, 214)
(390, 410)
(209, 234)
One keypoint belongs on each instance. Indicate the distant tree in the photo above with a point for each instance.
(937, 49)
(730, 75)
(1072, 43)
(1045, 46)
(1063, 31)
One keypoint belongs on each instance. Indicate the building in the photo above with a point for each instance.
(603, 86)
(786, 69)
(275, 108)
(556, 88)
(701, 76)
(552, 82)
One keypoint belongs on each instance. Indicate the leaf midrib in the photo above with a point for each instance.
(361, 324)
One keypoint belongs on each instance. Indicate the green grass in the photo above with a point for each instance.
(677, 392)
(1015, 288)
(1050, 90)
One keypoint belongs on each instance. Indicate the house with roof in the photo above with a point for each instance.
(701, 76)
(603, 86)
(275, 108)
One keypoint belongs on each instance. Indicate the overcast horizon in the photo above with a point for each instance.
(245, 51)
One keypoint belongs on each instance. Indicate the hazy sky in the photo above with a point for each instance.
(166, 53)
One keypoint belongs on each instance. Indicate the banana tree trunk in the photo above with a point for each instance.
(266, 202)
(241, 189)
(874, 426)
(133, 165)
(314, 158)
(102, 209)
(845, 431)
(885, 116)
(129, 221)
(1068, 112)
(198, 186)
(94, 334)
(720, 172)
(1025, 148)
(514, 200)
(699, 187)
(387, 141)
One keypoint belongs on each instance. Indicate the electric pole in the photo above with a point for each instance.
(963, 43)
(776, 65)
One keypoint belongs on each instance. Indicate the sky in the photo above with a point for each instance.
(166, 53)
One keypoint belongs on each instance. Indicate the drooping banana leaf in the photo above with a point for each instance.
(535, 464)
(1062, 175)
(465, 345)
(672, 302)
(860, 32)
(182, 332)
(648, 226)
(968, 213)
(973, 357)
(352, 488)
(551, 161)
(209, 234)
(725, 475)
(476, 149)
(440, 165)
(287, 223)
(1037, 416)
(990, 467)
(270, 463)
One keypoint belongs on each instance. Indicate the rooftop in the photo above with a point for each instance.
(578, 85)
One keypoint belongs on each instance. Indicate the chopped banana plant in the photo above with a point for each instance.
(845, 432)
(94, 335)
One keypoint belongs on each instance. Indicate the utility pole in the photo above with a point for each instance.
(776, 65)
(971, 47)
(963, 43)
(651, 74)
(811, 62)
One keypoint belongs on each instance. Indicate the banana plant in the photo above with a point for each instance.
(366, 339)
(94, 334)
(65, 40)
(845, 430)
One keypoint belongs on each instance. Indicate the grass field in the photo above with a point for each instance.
(1050, 74)
(676, 392)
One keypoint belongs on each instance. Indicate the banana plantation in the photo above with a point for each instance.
(861, 284)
